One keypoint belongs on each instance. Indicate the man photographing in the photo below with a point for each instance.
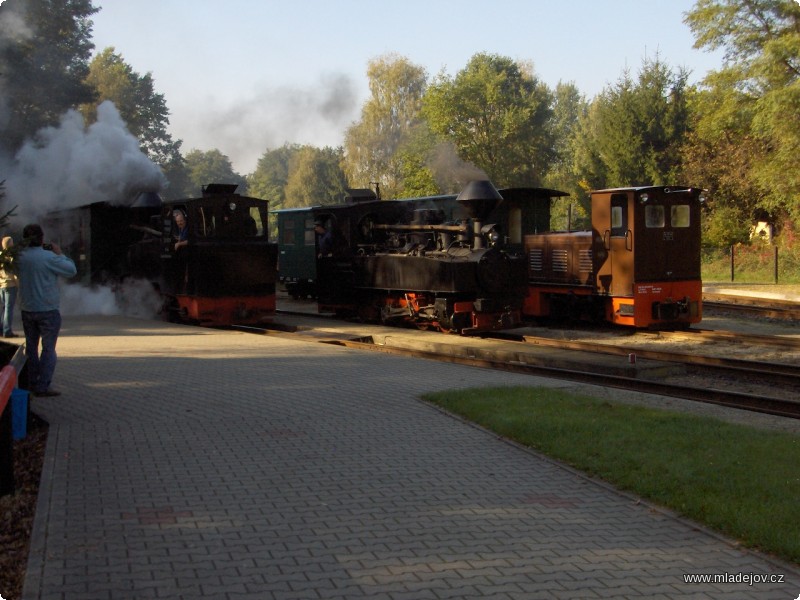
(40, 266)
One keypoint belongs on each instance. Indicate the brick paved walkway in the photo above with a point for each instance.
(188, 463)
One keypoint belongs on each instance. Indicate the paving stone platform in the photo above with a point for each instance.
(193, 463)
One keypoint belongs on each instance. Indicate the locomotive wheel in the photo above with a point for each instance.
(444, 329)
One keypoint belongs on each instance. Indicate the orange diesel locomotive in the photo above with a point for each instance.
(639, 265)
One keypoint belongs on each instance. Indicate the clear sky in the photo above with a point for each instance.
(244, 76)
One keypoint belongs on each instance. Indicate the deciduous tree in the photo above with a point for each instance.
(211, 166)
(372, 147)
(269, 179)
(144, 111)
(568, 107)
(756, 94)
(497, 115)
(315, 177)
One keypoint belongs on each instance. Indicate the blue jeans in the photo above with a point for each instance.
(8, 296)
(42, 326)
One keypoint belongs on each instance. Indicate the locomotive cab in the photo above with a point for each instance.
(646, 254)
(222, 270)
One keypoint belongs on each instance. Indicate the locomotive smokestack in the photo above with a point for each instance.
(479, 198)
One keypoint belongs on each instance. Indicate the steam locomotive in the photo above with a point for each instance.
(225, 273)
(449, 263)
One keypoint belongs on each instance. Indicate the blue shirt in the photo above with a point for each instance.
(39, 270)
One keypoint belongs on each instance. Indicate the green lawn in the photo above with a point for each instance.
(741, 481)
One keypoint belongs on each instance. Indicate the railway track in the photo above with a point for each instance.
(785, 310)
(734, 337)
(515, 358)
(788, 375)
(739, 400)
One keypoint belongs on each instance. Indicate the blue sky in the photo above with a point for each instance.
(244, 76)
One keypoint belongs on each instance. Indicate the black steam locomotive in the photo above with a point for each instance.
(450, 263)
(223, 271)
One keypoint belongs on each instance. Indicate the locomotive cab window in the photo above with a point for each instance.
(204, 222)
(619, 215)
(654, 215)
(680, 215)
(616, 217)
(255, 222)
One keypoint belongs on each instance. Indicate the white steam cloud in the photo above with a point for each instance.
(133, 298)
(71, 165)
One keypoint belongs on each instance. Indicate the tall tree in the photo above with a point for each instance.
(389, 116)
(211, 166)
(315, 177)
(632, 133)
(416, 159)
(568, 108)
(271, 176)
(45, 46)
(497, 115)
(143, 110)
(757, 90)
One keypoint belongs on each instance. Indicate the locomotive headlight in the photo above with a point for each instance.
(644, 198)
(232, 206)
(490, 234)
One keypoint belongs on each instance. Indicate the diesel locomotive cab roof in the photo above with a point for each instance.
(643, 188)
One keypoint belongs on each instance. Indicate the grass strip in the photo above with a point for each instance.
(738, 480)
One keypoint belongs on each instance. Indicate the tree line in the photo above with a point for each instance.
(737, 133)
